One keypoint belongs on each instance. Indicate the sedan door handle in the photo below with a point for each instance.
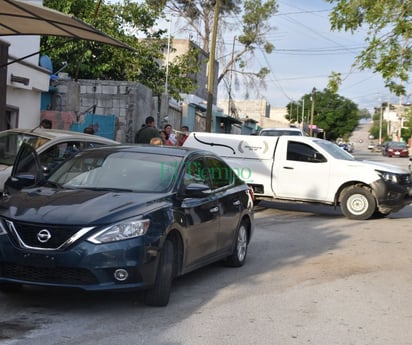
(289, 168)
(214, 209)
(236, 203)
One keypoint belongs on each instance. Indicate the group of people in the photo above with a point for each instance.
(48, 124)
(149, 134)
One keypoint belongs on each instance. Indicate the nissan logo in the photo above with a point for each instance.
(43, 236)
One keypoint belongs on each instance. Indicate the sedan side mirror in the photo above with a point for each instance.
(196, 190)
(15, 183)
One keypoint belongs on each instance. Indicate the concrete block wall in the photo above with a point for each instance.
(131, 102)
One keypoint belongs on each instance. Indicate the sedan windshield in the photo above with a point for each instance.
(10, 143)
(398, 146)
(130, 171)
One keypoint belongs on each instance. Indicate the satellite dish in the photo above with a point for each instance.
(46, 62)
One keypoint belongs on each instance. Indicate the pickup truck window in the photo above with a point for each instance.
(335, 151)
(303, 153)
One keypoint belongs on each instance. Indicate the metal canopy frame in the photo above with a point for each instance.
(22, 18)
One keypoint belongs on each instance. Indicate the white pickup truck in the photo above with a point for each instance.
(304, 169)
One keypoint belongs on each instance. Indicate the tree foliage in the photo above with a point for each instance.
(255, 14)
(388, 39)
(131, 23)
(406, 131)
(379, 129)
(336, 115)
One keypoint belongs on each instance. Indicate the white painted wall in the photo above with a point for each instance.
(27, 98)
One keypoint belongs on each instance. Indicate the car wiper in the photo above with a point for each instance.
(108, 189)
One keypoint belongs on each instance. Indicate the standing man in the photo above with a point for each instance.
(146, 133)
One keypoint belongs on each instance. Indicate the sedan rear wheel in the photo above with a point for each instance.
(158, 295)
(238, 256)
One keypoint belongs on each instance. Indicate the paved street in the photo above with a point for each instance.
(312, 277)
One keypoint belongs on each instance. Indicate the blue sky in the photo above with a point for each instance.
(307, 52)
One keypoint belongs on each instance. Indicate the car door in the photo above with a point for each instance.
(201, 215)
(301, 173)
(229, 199)
(27, 170)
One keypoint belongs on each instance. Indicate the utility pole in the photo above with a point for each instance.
(4, 55)
(312, 112)
(380, 123)
(229, 103)
(303, 112)
(211, 69)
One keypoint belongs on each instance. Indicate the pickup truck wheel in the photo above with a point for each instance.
(158, 295)
(238, 256)
(357, 203)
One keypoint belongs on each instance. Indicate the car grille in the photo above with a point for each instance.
(77, 276)
(405, 179)
(26, 235)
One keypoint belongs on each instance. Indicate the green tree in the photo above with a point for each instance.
(131, 23)
(336, 115)
(388, 39)
(377, 130)
(198, 15)
(406, 131)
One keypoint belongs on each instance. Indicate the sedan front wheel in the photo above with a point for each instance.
(158, 295)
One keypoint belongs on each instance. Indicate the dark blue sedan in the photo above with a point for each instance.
(123, 217)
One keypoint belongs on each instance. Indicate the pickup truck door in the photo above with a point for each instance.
(300, 172)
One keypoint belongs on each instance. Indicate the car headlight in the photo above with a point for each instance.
(121, 231)
(388, 176)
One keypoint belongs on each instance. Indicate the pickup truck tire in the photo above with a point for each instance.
(357, 203)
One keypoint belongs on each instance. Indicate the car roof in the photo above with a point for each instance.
(288, 129)
(179, 151)
(60, 134)
(281, 128)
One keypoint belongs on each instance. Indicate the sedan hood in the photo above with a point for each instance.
(77, 207)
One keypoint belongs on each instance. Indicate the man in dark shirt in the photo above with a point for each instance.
(146, 133)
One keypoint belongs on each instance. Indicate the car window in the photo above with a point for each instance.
(302, 152)
(26, 164)
(10, 143)
(91, 144)
(58, 153)
(221, 175)
(196, 172)
(279, 132)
